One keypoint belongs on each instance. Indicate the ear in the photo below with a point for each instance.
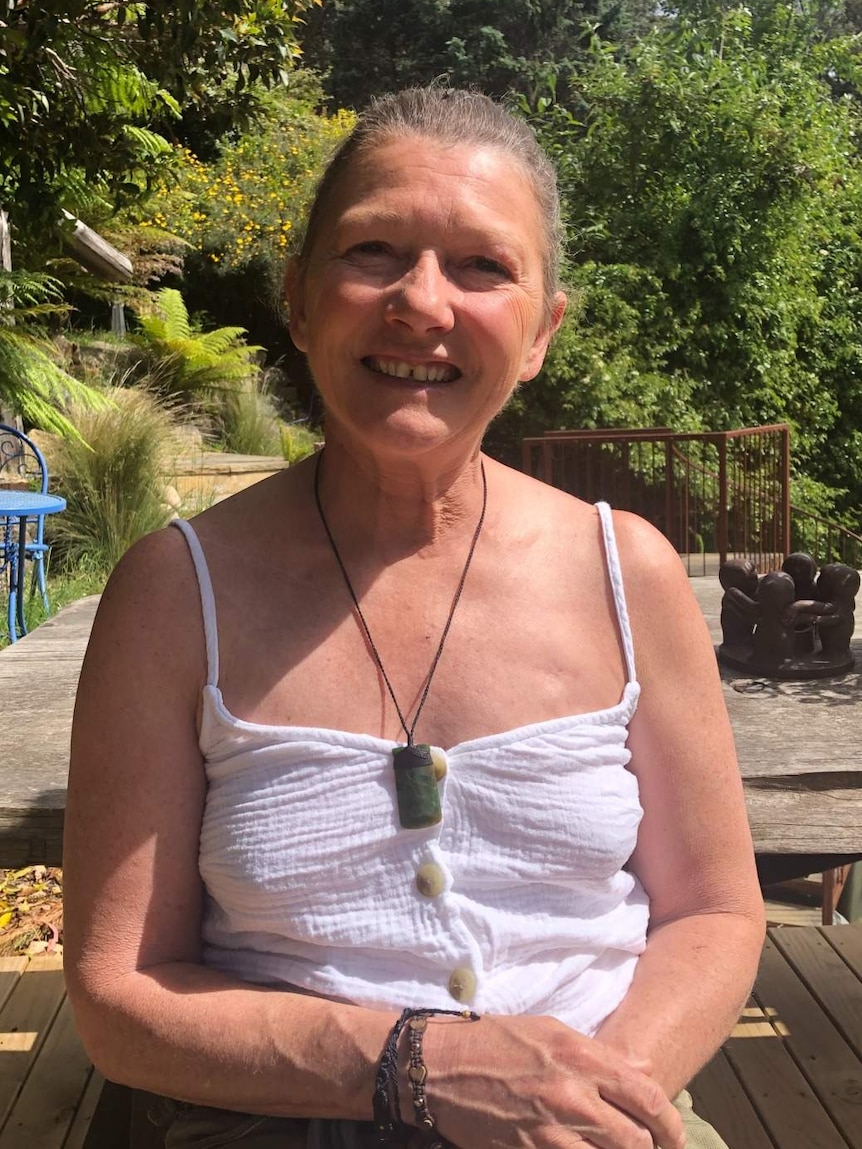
(536, 355)
(295, 295)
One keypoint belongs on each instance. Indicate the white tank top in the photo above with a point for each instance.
(311, 881)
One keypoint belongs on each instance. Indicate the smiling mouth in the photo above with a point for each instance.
(420, 372)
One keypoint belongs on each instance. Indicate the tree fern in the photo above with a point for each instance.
(191, 364)
(31, 382)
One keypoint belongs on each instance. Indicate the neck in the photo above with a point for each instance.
(398, 507)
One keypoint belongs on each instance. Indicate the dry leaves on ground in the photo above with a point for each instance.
(31, 911)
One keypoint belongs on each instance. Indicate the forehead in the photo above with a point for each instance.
(471, 186)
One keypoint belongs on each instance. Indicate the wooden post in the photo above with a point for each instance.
(7, 415)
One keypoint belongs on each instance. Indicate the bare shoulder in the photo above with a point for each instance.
(150, 611)
(645, 553)
(540, 501)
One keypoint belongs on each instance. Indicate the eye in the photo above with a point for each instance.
(487, 266)
(368, 248)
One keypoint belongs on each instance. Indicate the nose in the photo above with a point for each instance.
(422, 299)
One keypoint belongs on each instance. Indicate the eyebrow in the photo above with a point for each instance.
(497, 238)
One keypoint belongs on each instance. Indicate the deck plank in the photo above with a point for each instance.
(85, 1112)
(719, 1099)
(24, 1023)
(847, 943)
(55, 1086)
(11, 969)
(829, 978)
(819, 1050)
(783, 1099)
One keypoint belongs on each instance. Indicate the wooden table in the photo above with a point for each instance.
(800, 751)
(38, 680)
(799, 744)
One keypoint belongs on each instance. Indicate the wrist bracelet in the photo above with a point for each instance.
(418, 1072)
(386, 1104)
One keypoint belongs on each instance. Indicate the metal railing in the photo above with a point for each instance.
(824, 540)
(715, 495)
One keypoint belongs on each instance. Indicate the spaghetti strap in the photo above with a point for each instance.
(615, 575)
(208, 607)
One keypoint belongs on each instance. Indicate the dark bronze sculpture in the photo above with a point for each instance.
(791, 623)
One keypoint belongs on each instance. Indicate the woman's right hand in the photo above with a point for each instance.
(533, 1083)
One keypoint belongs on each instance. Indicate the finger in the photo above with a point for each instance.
(643, 1100)
(609, 1128)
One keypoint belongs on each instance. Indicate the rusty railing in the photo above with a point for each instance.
(824, 540)
(715, 495)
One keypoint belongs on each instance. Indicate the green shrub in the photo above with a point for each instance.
(253, 198)
(248, 420)
(298, 441)
(113, 482)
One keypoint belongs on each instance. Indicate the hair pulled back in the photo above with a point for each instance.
(448, 116)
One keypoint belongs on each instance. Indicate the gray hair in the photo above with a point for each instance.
(450, 116)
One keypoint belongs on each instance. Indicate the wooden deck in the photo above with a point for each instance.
(48, 1089)
(790, 1076)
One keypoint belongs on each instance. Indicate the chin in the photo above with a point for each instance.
(402, 434)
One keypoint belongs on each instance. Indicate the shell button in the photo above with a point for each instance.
(438, 761)
(430, 880)
(462, 984)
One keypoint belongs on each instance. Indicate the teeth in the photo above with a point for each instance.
(419, 371)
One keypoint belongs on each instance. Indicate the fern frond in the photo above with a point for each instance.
(172, 308)
(150, 144)
(22, 289)
(32, 383)
(226, 339)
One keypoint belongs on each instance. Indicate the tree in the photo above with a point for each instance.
(368, 47)
(713, 188)
(82, 82)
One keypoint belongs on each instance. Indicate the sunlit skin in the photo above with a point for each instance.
(429, 257)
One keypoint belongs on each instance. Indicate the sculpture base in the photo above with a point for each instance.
(801, 666)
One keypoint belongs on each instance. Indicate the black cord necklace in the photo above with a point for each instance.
(415, 776)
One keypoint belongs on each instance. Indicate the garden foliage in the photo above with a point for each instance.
(713, 199)
(114, 481)
(31, 380)
(88, 90)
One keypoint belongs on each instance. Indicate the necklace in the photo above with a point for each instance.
(415, 776)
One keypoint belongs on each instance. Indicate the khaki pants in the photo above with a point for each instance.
(197, 1127)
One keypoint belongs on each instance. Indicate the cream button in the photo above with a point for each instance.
(462, 984)
(438, 761)
(430, 880)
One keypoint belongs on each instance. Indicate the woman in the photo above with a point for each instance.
(256, 883)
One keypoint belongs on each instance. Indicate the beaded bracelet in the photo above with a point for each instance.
(386, 1105)
(418, 1072)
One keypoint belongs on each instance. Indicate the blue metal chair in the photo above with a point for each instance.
(21, 462)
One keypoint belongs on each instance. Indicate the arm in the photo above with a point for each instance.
(741, 603)
(694, 854)
(149, 1014)
(152, 1016)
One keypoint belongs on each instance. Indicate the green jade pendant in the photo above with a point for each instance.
(416, 787)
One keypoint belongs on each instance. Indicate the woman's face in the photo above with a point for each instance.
(422, 304)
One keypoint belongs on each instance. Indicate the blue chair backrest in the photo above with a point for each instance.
(21, 459)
